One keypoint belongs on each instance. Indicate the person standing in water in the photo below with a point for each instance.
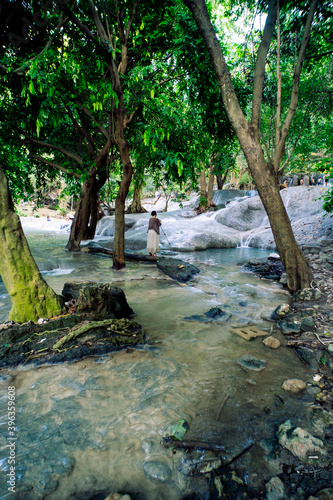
(153, 232)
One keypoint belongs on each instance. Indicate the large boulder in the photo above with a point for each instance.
(243, 215)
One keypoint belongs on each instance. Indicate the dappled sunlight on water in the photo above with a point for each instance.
(97, 425)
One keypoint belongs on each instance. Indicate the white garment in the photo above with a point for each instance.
(152, 241)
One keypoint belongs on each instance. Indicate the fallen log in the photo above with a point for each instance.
(107, 251)
(191, 445)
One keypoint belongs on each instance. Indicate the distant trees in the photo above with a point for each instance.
(263, 163)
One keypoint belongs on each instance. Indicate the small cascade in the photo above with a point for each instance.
(245, 241)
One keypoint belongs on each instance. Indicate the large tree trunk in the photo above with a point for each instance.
(299, 274)
(86, 215)
(119, 230)
(136, 207)
(31, 296)
(87, 212)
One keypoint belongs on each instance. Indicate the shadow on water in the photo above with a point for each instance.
(97, 425)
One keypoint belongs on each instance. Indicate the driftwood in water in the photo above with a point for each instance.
(191, 445)
(107, 251)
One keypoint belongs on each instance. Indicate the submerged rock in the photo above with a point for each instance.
(177, 269)
(251, 363)
(157, 470)
(214, 314)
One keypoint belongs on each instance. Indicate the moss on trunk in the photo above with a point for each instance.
(31, 296)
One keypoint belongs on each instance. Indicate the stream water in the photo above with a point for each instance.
(96, 426)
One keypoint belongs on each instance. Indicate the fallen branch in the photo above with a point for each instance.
(192, 445)
(129, 256)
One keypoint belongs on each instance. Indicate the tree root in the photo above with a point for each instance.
(117, 326)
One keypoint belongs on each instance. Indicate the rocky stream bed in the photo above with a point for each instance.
(99, 321)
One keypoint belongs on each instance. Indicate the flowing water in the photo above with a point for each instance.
(98, 425)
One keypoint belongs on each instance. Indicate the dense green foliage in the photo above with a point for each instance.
(56, 90)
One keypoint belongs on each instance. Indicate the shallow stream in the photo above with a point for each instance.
(97, 425)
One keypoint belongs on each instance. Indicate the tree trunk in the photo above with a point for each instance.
(210, 187)
(299, 274)
(136, 207)
(86, 215)
(119, 230)
(203, 193)
(221, 180)
(31, 296)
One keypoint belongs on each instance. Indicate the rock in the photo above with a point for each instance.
(302, 444)
(274, 256)
(330, 349)
(294, 386)
(307, 356)
(251, 363)
(288, 326)
(283, 280)
(197, 317)
(307, 294)
(272, 342)
(177, 269)
(275, 489)
(308, 324)
(281, 311)
(118, 496)
(157, 470)
(325, 494)
(215, 313)
(265, 268)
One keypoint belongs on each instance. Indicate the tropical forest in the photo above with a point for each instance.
(166, 249)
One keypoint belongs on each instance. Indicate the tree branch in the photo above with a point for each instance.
(47, 46)
(54, 148)
(55, 165)
(91, 116)
(259, 72)
(279, 148)
(278, 78)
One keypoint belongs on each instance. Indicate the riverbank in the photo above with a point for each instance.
(306, 325)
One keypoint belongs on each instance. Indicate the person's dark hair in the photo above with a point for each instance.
(153, 213)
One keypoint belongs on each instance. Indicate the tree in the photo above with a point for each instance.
(263, 169)
(31, 296)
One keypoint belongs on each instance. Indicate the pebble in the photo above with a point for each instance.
(294, 386)
(272, 342)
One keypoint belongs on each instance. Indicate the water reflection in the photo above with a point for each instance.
(97, 425)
